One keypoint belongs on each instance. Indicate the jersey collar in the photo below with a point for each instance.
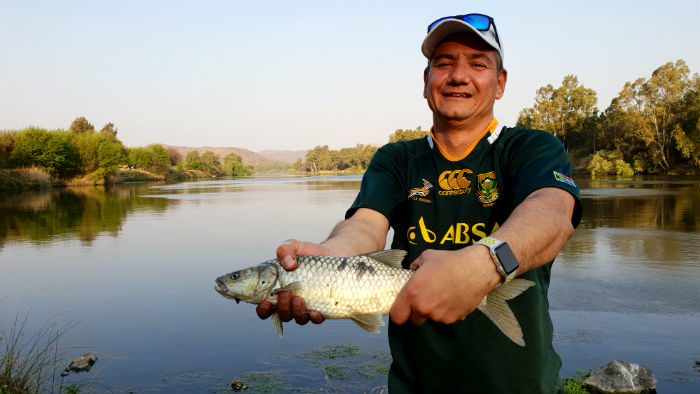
(491, 128)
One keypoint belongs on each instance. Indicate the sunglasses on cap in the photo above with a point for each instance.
(480, 22)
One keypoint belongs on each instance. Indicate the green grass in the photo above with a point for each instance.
(574, 385)
(28, 362)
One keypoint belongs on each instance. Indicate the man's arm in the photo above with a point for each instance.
(448, 285)
(363, 232)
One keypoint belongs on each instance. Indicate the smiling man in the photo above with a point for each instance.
(495, 202)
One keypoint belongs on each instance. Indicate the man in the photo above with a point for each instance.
(468, 181)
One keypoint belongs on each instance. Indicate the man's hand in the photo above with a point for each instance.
(447, 286)
(289, 306)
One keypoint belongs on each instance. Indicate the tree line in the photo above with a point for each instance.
(354, 160)
(81, 151)
(651, 127)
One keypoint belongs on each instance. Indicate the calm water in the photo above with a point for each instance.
(132, 269)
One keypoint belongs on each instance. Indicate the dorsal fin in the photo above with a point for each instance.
(391, 257)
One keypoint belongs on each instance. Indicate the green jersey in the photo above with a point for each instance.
(434, 201)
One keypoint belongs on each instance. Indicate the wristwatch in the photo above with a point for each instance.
(502, 256)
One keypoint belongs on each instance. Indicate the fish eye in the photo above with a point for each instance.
(236, 275)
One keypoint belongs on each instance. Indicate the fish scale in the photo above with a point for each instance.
(340, 287)
(361, 288)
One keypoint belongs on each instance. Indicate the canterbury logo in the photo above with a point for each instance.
(420, 191)
(454, 182)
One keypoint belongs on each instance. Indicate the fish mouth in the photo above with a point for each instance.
(222, 289)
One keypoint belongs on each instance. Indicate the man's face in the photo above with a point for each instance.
(462, 82)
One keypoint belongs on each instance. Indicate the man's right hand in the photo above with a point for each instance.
(289, 306)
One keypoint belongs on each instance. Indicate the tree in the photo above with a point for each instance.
(52, 151)
(160, 160)
(406, 135)
(6, 144)
(562, 111)
(233, 165)
(654, 114)
(109, 132)
(192, 161)
(210, 163)
(81, 126)
(139, 157)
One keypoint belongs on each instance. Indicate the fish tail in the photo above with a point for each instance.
(498, 311)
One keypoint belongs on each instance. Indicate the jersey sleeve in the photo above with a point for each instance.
(382, 187)
(535, 159)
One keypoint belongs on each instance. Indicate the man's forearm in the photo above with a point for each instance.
(364, 232)
(539, 227)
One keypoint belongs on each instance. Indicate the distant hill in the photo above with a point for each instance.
(259, 158)
(285, 156)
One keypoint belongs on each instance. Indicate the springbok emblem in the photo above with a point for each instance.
(420, 191)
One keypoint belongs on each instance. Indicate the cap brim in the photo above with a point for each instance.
(449, 27)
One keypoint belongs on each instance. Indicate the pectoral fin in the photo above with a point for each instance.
(294, 286)
(276, 324)
(369, 321)
(498, 311)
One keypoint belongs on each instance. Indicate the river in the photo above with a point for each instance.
(131, 270)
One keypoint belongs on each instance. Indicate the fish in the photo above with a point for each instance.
(360, 288)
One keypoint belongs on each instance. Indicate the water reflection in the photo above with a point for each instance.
(658, 204)
(629, 276)
(81, 212)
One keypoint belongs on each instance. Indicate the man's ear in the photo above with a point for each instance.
(502, 78)
(426, 72)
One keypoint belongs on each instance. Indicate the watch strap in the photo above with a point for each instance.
(492, 243)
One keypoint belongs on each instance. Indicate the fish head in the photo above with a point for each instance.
(250, 285)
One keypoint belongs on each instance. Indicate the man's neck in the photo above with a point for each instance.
(455, 139)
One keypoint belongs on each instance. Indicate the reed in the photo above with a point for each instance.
(29, 362)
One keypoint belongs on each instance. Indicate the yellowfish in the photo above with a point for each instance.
(361, 288)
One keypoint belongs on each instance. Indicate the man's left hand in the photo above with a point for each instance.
(447, 285)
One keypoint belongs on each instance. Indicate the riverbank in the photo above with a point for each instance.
(34, 178)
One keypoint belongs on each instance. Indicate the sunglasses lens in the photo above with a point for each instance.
(477, 21)
(432, 25)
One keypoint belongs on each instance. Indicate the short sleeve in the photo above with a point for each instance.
(535, 159)
(382, 187)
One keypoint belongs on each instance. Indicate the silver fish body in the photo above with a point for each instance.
(361, 288)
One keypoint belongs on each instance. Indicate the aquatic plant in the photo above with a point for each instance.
(29, 363)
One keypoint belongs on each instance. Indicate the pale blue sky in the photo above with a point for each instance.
(295, 74)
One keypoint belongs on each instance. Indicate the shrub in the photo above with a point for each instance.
(609, 163)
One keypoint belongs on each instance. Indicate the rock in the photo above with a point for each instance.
(621, 377)
(81, 363)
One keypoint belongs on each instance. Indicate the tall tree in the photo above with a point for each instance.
(81, 126)
(652, 113)
(406, 135)
(562, 111)
(109, 132)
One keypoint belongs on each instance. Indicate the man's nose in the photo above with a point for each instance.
(460, 74)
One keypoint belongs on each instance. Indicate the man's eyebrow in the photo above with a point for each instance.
(447, 56)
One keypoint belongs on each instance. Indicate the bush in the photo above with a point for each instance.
(609, 163)
(52, 151)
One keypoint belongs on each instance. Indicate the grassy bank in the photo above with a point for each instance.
(34, 178)
(18, 179)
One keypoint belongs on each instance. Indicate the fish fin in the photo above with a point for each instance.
(391, 257)
(369, 321)
(498, 311)
(294, 286)
(512, 289)
(276, 324)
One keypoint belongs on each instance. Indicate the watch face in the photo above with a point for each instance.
(508, 260)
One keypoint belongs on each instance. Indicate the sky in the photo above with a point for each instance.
(297, 74)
